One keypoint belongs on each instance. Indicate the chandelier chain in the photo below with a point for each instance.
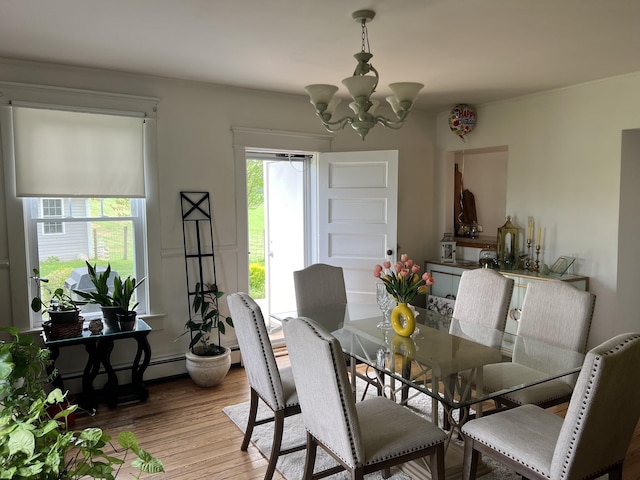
(365, 37)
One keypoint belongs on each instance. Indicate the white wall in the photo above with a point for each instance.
(195, 152)
(564, 170)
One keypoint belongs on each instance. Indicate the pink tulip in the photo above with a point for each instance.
(377, 268)
(408, 263)
(415, 269)
(428, 279)
(387, 264)
(404, 272)
(376, 274)
(397, 267)
(404, 257)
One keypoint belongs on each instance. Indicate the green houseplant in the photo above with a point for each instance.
(207, 361)
(34, 443)
(123, 291)
(61, 308)
(110, 303)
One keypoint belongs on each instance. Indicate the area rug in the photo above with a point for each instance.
(291, 465)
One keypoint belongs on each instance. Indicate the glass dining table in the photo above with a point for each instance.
(445, 358)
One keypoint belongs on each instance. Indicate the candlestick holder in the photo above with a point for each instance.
(527, 262)
(536, 266)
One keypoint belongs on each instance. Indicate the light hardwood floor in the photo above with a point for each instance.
(184, 426)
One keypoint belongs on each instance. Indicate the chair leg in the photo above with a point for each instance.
(437, 463)
(616, 472)
(278, 428)
(253, 411)
(470, 462)
(310, 459)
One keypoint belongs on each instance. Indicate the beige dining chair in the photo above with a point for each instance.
(483, 299)
(368, 436)
(594, 436)
(480, 315)
(554, 313)
(273, 385)
(321, 292)
(319, 285)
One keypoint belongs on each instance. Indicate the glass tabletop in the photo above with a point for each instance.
(448, 359)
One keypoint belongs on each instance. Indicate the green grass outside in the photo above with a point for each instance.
(256, 255)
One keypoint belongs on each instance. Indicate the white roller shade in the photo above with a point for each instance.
(65, 153)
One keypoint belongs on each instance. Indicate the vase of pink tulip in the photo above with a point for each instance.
(403, 282)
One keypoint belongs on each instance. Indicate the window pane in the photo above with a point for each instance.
(101, 231)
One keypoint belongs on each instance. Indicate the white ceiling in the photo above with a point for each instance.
(464, 51)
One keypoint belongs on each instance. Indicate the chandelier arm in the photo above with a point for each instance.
(388, 123)
(337, 125)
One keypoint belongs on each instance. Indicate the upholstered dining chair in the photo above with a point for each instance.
(273, 385)
(483, 299)
(479, 314)
(592, 439)
(368, 436)
(319, 285)
(320, 289)
(555, 313)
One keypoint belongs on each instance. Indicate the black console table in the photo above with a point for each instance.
(99, 348)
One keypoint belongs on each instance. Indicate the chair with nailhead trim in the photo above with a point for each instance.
(322, 295)
(594, 436)
(368, 436)
(273, 385)
(556, 313)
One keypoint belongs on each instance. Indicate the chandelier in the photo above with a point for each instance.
(361, 85)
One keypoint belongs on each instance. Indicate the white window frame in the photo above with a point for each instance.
(18, 242)
(52, 217)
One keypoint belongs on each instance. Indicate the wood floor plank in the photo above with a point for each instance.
(184, 426)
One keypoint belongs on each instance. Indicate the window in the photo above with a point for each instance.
(79, 166)
(52, 208)
(98, 230)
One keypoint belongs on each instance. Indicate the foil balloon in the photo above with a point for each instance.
(462, 119)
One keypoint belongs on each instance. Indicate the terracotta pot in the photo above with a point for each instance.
(53, 410)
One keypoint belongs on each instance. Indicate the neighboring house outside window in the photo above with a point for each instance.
(52, 208)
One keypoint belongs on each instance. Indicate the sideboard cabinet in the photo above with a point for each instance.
(447, 277)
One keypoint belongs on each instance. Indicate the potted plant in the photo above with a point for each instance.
(111, 304)
(32, 444)
(61, 308)
(207, 361)
(122, 294)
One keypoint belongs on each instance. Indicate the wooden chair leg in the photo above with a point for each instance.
(253, 411)
(437, 463)
(470, 462)
(310, 459)
(615, 473)
(278, 428)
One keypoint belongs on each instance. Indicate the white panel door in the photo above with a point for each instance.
(357, 215)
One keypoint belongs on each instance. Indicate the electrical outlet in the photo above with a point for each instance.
(479, 228)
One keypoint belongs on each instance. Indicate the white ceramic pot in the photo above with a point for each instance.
(208, 371)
